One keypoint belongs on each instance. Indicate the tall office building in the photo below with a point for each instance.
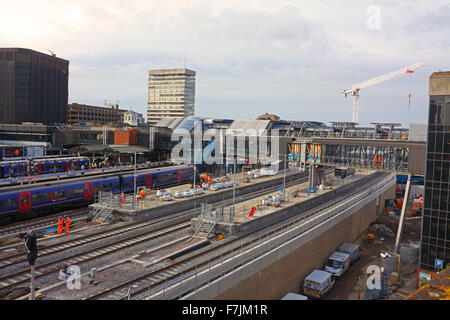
(435, 238)
(33, 87)
(171, 93)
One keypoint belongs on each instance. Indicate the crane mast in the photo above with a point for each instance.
(354, 90)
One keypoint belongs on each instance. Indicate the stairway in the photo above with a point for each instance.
(205, 229)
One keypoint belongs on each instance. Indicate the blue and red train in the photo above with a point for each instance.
(24, 202)
(19, 167)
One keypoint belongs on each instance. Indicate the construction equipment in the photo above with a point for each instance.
(354, 90)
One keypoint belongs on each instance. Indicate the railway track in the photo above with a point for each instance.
(157, 281)
(17, 258)
(41, 223)
(23, 276)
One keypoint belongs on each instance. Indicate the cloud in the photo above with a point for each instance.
(292, 58)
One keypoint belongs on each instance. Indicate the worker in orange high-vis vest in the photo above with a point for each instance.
(67, 223)
(142, 193)
(60, 225)
(122, 198)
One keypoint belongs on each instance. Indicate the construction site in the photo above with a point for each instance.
(245, 230)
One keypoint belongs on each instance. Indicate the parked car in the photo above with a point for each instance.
(352, 249)
(318, 283)
(188, 193)
(337, 264)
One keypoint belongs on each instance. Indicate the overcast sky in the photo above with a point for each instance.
(291, 58)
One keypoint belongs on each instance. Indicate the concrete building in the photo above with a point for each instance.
(133, 118)
(108, 114)
(33, 87)
(435, 237)
(171, 93)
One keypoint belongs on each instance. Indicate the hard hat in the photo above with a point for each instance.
(60, 217)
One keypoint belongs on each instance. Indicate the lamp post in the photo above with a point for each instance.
(284, 177)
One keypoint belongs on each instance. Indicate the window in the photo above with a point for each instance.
(11, 202)
(36, 198)
(79, 190)
(59, 194)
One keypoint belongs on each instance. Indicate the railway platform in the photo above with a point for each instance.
(110, 206)
(266, 209)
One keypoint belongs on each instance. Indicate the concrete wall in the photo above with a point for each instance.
(283, 269)
(287, 273)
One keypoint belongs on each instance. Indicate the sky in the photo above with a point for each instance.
(290, 58)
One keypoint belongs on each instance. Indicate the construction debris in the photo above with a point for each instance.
(383, 229)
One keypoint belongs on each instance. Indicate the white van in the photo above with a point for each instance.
(352, 249)
(318, 283)
(337, 264)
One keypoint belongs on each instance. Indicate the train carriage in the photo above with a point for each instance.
(17, 203)
(17, 168)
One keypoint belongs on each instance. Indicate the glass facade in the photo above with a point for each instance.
(435, 240)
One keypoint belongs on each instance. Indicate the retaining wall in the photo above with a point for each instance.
(282, 270)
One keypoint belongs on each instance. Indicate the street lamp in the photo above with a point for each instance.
(134, 176)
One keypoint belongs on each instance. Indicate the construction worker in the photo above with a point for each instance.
(67, 220)
(60, 225)
(122, 198)
(142, 193)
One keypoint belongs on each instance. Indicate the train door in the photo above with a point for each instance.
(88, 191)
(148, 180)
(179, 175)
(24, 201)
(39, 168)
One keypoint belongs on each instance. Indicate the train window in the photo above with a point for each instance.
(36, 198)
(11, 202)
(79, 190)
(1, 203)
(69, 192)
(97, 187)
(59, 194)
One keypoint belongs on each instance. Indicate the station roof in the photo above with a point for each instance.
(129, 149)
(241, 126)
(168, 122)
